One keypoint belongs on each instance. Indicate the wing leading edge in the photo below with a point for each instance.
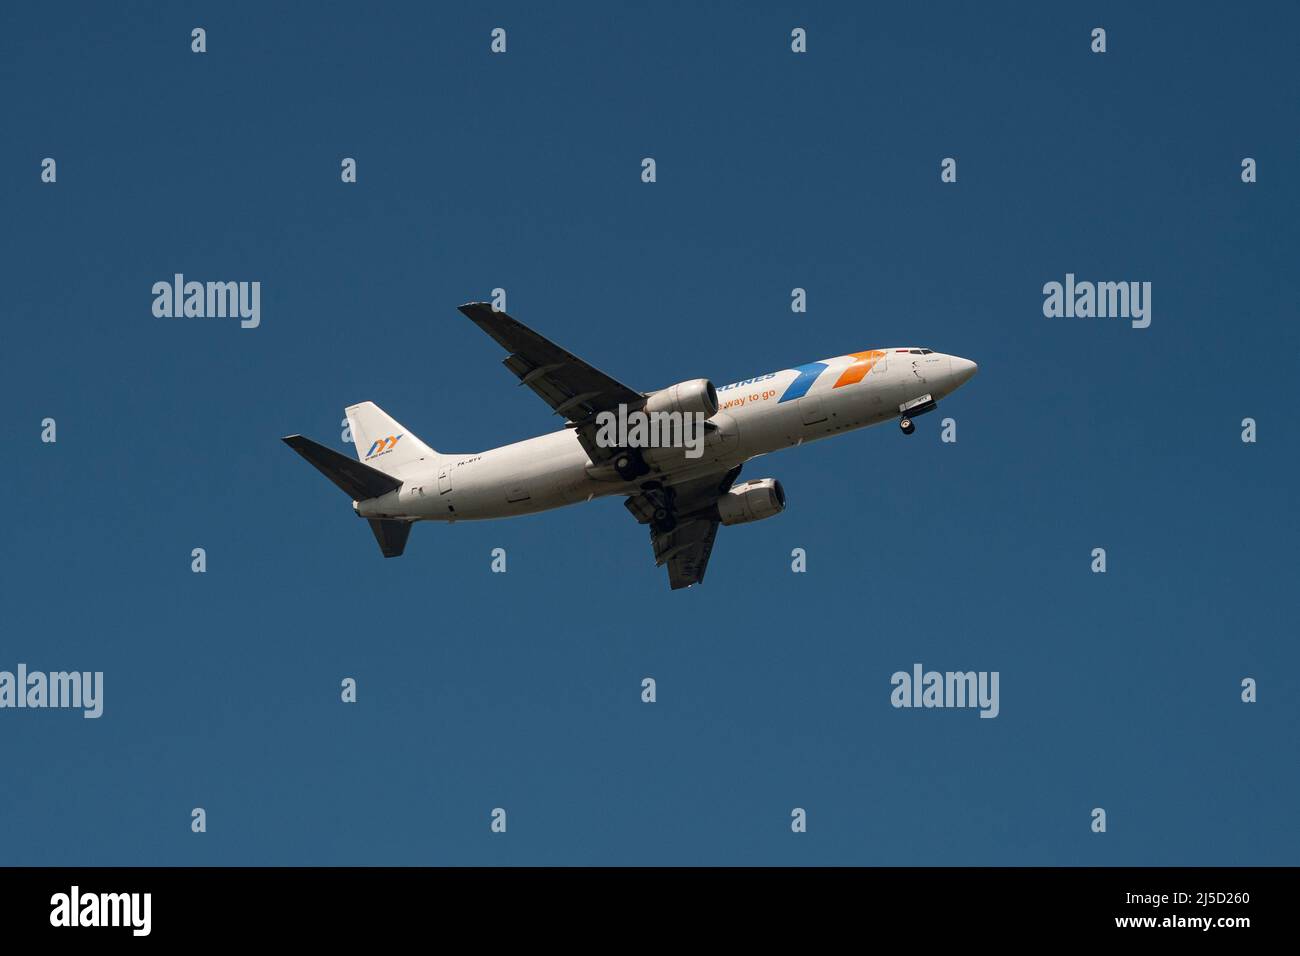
(570, 386)
(682, 517)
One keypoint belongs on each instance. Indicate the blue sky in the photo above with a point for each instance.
(522, 690)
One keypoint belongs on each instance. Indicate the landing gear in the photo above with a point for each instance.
(909, 410)
(663, 514)
(664, 521)
(630, 465)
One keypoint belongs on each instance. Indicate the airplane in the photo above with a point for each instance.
(398, 479)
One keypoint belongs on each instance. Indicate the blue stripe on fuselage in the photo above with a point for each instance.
(807, 375)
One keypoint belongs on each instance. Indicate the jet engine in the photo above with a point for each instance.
(751, 501)
(697, 395)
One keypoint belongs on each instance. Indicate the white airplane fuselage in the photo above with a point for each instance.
(755, 416)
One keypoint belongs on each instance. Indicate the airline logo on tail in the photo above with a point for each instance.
(382, 447)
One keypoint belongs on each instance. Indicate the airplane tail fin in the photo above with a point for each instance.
(383, 443)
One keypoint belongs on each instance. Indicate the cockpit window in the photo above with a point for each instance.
(915, 352)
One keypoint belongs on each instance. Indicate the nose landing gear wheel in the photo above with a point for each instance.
(907, 426)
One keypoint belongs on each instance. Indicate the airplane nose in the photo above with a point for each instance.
(963, 370)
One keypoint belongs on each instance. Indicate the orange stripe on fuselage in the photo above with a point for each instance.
(863, 362)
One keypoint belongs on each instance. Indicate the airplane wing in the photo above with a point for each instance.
(569, 385)
(683, 537)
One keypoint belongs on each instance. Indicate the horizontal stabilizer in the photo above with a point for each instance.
(358, 480)
(391, 535)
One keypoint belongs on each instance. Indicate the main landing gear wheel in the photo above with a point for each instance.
(664, 521)
(626, 467)
(630, 465)
(907, 426)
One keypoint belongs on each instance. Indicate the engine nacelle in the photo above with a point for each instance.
(751, 501)
(697, 395)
